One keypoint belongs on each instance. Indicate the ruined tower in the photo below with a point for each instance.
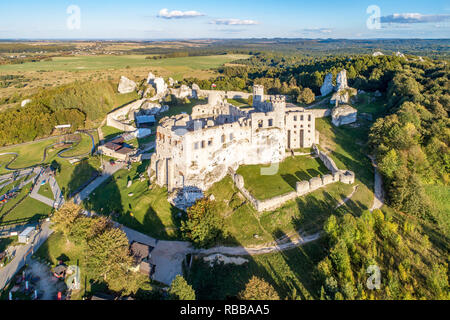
(258, 95)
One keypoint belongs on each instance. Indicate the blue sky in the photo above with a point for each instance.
(137, 19)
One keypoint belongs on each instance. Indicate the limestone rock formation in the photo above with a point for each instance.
(341, 81)
(343, 115)
(186, 197)
(154, 108)
(25, 102)
(150, 78)
(126, 85)
(377, 53)
(160, 86)
(183, 92)
(327, 86)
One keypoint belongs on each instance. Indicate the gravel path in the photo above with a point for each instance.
(378, 201)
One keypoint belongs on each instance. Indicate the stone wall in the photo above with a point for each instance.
(111, 118)
(327, 161)
(302, 187)
(225, 94)
(321, 113)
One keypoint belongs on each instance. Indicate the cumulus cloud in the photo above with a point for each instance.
(234, 22)
(414, 18)
(177, 14)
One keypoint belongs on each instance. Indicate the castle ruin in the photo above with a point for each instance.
(198, 150)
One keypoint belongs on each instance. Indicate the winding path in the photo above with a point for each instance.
(378, 200)
(60, 153)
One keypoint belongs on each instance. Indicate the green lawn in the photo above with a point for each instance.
(110, 132)
(6, 242)
(97, 63)
(369, 104)
(46, 191)
(57, 248)
(147, 211)
(83, 147)
(71, 177)
(440, 197)
(241, 103)
(29, 154)
(179, 108)
(291, 170)
(28, 208)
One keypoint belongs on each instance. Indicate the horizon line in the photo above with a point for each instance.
(209, 38)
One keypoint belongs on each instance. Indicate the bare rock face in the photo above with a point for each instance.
(154, 108)
(341, 81)
(377, 53)
(183, 92)
(150, 78)
(186, 197)
(25, 102)
(327, 86)
(343, 115)
(126, 85)
(160, 86)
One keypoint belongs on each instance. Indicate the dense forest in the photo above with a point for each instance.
(410, 140)
(78, 104)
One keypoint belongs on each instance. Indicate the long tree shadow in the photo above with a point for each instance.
(302, 261)
(81, 177)
(106, 200)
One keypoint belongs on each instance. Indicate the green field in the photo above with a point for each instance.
(46, 191)
(57, 248)
(28, 208)
(110, 132)
(71, 177)
(30, 154)
(82, 147)
(147, 211)
(440, 197)
(98, 63)
(291, 170)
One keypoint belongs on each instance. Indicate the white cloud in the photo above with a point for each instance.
(414, 18)
(234, 22)
(177, 14)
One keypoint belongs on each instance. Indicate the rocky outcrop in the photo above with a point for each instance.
(126, 85)
(343, 115)
(182, 92)
(377, 54)
(341, 81)
(150, 78)
(25, 102)
(327, 86)
(154, 108)
(186, 197)
(343, 96)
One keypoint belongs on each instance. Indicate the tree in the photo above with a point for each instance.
(181, 290)
(205, 226)
(306, 96)
(258, 289)
(108, 254)
(64, 218)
